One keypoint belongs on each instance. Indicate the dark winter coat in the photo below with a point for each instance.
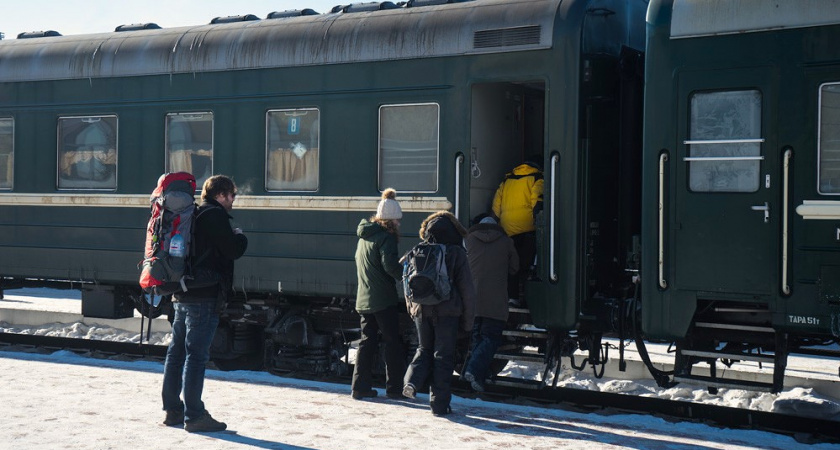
(378, 268)
(443, 228)
(215, 247)
(492, 257)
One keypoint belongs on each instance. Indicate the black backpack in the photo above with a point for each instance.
(425, 276)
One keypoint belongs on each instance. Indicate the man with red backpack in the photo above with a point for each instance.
(216, 245)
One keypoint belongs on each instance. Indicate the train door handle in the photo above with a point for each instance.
(766, 208)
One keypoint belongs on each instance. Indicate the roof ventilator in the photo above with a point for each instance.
(38, 34)
(232, 19)
(138, 26)
(507, 37)
(292, 13)
(364, 7)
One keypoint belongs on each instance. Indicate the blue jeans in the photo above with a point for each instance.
(486, 338)
(188, 353)
(436, 357)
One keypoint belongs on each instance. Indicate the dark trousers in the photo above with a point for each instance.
(385, 322)
(526, 247)
(486, 338)
(192, 333)
(435, 358)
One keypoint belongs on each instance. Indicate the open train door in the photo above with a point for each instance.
(726, 216)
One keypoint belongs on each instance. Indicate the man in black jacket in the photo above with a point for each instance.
(216, 245)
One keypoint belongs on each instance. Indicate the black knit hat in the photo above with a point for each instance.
(534, 161)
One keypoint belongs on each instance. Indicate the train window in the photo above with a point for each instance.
(292, 149)
(829, 141)
(408, 147)
(724, 148)
(189, 144)
(7, 153)
(87, 152)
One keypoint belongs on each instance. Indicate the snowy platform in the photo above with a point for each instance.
(69, 401)
(37, 307)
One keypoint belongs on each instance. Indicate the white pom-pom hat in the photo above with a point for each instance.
(389, 208)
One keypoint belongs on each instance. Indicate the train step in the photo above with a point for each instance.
(516, 383)
(521, 356)
(735, 326)
(727, 383)
(734, 356)
(539, 334)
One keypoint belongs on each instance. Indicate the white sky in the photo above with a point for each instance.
(97, 16)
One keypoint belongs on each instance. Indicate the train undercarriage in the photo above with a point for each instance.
(317, 336)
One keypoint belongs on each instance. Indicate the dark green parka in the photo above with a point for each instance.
(378, 268)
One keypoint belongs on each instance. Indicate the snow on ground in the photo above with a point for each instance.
(66, 401)
(796, 400)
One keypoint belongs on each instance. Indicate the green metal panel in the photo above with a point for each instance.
(714, 245)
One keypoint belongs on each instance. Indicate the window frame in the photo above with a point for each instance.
(819, 137)
(379, 148)
(11, 168)
(166, 150)
(268, 113)
(689, 158)
(58, 150)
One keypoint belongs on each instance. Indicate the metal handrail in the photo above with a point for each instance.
(785, 207)
(723, 158)
(663, 158)
(552, 272)
(723, 141)
(459, 162)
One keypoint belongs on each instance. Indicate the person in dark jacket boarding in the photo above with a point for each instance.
(378, 269)
(217, 244)
(438, 325)
(493, 258)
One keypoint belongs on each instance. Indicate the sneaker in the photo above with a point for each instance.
(514, 303)
(395, 395)
(409, 391)
(442, 412)
(204, 424)
(473, 382)
(359, 395)
(173, 418)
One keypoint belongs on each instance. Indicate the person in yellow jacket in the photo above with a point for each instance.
(517, 201)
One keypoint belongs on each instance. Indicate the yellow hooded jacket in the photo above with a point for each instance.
(516, 198)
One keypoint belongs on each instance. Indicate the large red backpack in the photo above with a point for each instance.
(172, 219)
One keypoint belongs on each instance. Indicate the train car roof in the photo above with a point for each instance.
(471, 27)
(695, 18)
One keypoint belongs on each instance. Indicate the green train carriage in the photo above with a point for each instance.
(314, 115)
(740, 182)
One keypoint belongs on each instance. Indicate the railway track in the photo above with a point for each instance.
(803, 428)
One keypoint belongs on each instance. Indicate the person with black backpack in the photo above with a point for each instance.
(438, 322)
(197, 310)
(377, 302)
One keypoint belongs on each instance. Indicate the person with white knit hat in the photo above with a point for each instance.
(378, 269)
(389, 208)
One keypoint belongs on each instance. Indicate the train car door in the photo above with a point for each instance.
(726, 214)
(507, 124)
